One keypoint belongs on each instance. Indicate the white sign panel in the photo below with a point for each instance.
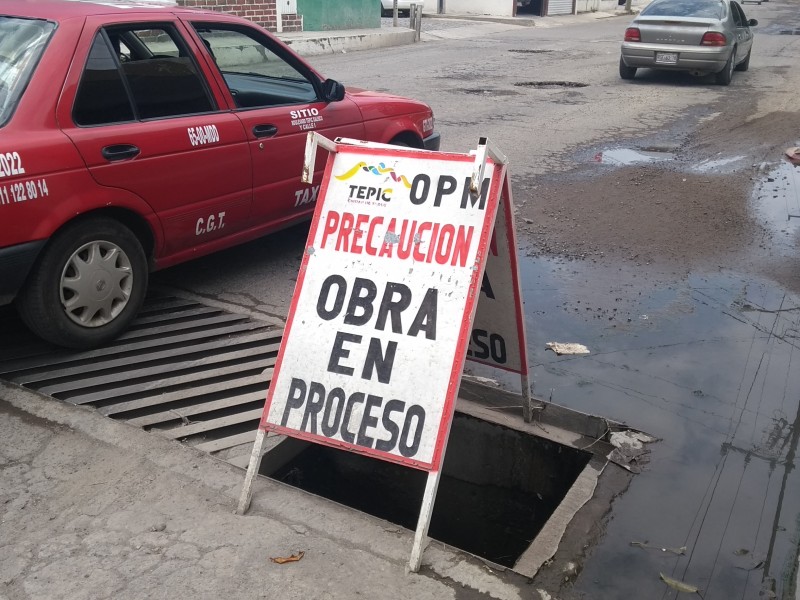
(378, 328)
(498, 332)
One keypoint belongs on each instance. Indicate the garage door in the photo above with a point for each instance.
(559, 7)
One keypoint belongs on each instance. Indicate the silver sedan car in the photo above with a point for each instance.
(698, 36)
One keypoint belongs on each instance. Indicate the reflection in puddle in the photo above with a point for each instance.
(628, 156)
(713, 371)
(776, 202)
(716, 164)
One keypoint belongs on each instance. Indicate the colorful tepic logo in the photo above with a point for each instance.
(381, 169)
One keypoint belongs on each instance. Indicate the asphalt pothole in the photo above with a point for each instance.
(551, 85)
(489, 92)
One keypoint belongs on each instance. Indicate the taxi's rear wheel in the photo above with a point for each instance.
(87, 286)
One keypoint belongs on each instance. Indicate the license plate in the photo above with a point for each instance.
(666, 58)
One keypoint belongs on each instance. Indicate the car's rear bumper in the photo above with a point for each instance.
(709, 59)
(15, 264)
(433, 141)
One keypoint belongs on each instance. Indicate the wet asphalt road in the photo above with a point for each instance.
(708, 363)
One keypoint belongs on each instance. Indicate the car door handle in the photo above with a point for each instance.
(120, 152)
(261, 131)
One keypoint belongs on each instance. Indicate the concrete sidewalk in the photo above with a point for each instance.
(451, 26)
(93, 508)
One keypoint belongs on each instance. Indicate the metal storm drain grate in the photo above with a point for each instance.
(189, 371)
(528, 51)
(199, 374)
(551, 85)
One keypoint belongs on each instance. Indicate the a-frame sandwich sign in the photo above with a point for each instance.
(382, 315)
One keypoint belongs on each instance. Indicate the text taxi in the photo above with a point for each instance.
(135, 137)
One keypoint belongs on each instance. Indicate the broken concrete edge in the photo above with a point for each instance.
(271, 499)
(589, 498)
(501, 404)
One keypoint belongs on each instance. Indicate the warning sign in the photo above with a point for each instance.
(498, 333)
(379, 325)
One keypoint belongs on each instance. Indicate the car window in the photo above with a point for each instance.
(22, 42)
(136, 73)
(738, 15)
(256, 75)
(714, 9)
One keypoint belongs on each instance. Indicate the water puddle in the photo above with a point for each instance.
(776, 203)
(718, 164)
(629, 156)
(709, 364)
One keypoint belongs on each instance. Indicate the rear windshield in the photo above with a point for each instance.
(707, 9)
(22, 42)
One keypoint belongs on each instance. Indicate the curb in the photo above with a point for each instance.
(335, 42)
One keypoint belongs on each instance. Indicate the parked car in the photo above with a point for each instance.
(404, 6)
(135, 137)
(698, 36)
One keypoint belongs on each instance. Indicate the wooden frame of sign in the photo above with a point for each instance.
(382, 315)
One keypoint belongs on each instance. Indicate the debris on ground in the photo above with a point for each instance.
(679, 585)
(567, 348)
(288, 559)
(648, 545)
(629, 449)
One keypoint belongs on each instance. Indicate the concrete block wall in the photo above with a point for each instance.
(261, 12)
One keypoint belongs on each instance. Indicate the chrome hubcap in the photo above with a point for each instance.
(96, 284)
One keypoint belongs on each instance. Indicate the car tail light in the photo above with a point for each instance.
(632, 34)
(712, 38)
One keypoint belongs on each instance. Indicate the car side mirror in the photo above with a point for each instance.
(752, 23)
(332, 90)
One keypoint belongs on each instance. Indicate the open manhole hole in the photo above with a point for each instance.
(489, 92)
(499, 486)
(529, 51)
(551, 85)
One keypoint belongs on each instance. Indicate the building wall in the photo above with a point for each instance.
(261, 12)
(325, 15)
(596, 5)
(494, 8)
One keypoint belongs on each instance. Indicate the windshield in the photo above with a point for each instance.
(714, 9)
(21, 44)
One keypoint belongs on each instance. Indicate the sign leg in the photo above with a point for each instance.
(252, 471)
(421, 537)
(527, 399)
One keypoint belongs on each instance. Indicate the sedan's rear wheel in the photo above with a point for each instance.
(724, 77)
(87, 286)
(745, 64)
(625, 71)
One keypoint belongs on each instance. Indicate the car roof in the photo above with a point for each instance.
(64, 9)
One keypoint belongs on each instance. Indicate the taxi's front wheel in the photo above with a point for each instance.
(87, 285)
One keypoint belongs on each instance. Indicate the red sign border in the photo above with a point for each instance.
(473, 294)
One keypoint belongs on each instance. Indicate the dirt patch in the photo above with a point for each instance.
(664, 214)
(644, 214)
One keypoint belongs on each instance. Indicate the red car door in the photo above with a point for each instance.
(141, 112)
(279, 100)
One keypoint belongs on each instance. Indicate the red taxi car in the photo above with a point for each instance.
(135, 137)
